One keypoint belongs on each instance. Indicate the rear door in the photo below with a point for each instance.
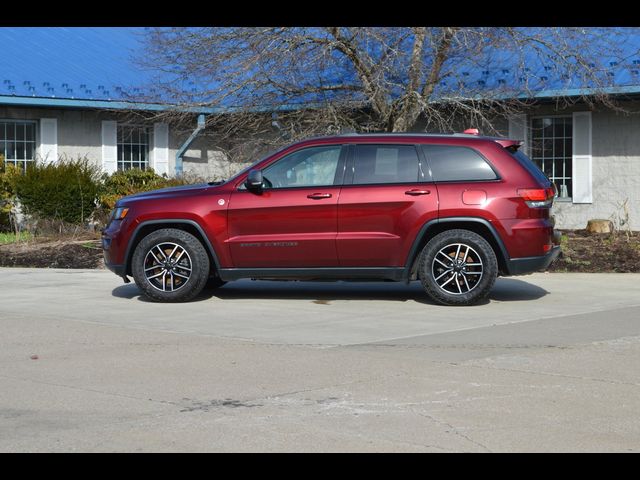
(466, 181)
(387, 197)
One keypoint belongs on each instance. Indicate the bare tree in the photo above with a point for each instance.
(377, 79)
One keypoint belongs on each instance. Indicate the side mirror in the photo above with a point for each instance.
(254, 180)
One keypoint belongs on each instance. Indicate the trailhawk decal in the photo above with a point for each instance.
(270, 244)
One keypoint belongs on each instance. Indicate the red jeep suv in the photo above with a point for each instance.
(453, 211)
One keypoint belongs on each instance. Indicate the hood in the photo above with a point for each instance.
(168, 192)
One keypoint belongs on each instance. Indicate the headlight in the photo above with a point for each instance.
(119, 213)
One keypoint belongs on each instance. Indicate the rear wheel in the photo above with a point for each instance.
(170, 265)
(458, 267)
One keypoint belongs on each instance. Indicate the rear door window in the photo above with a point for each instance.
(379, 164)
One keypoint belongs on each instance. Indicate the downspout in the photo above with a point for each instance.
(185, 145)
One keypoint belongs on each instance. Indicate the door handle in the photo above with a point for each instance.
(416, 192)
(319, 196)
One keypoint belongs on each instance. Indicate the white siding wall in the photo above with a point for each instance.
(615, 173)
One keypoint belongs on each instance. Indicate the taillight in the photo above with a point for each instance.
(538, 197)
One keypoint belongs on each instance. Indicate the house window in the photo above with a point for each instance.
(133, 147)
(551, 150)
(18, 142)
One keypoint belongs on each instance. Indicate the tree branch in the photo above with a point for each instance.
(371, 88)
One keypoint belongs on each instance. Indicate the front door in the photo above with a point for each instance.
(292, 222)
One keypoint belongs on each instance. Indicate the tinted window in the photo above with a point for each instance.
(527, 163)
(305, 168)
(457, 164)
(385, 164)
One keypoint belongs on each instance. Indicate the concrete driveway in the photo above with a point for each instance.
(548, 363)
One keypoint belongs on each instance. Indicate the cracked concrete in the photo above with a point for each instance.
(547, 364)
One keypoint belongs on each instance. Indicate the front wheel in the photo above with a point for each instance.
(170, 265)
(458, 267)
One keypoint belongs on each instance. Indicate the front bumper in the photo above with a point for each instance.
(117, 269)
(111, 245)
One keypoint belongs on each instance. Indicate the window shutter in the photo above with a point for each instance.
(582, 181)
(160, 153)
(518, 129)
(49, 140)
(109, 146)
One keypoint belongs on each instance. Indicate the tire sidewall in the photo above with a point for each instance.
(199, 264)
(475, 241)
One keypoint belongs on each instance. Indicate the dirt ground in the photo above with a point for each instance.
(582, 252)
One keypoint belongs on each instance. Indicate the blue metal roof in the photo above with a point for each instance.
(88, 63)
(94, 67)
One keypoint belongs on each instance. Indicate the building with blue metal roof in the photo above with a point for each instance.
(69, 91)
(76, 92)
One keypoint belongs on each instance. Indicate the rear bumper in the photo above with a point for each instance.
(522, 266)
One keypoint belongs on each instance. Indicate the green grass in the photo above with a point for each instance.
(6, 238)
(93, 244)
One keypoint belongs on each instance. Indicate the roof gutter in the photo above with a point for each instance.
(99, 104)
(187, 143)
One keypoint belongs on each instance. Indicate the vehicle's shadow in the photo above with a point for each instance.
(505, 290)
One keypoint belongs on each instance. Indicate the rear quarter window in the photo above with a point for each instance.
(529, 165)
(457, 164)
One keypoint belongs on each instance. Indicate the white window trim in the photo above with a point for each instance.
(519, 130)
(48, 152)
(109, 146)
(159, 149)
(582, 168)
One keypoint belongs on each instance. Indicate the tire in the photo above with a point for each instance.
(170, 265)
(458, 267)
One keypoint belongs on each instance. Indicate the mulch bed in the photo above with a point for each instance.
(599, 252)
(53, 254)
(581, 252)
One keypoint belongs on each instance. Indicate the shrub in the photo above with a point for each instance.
(69, 193)
(128, 182)
(8, 175)
(65, 190)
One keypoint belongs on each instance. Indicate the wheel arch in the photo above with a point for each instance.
(149, 226)
(477, 225)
